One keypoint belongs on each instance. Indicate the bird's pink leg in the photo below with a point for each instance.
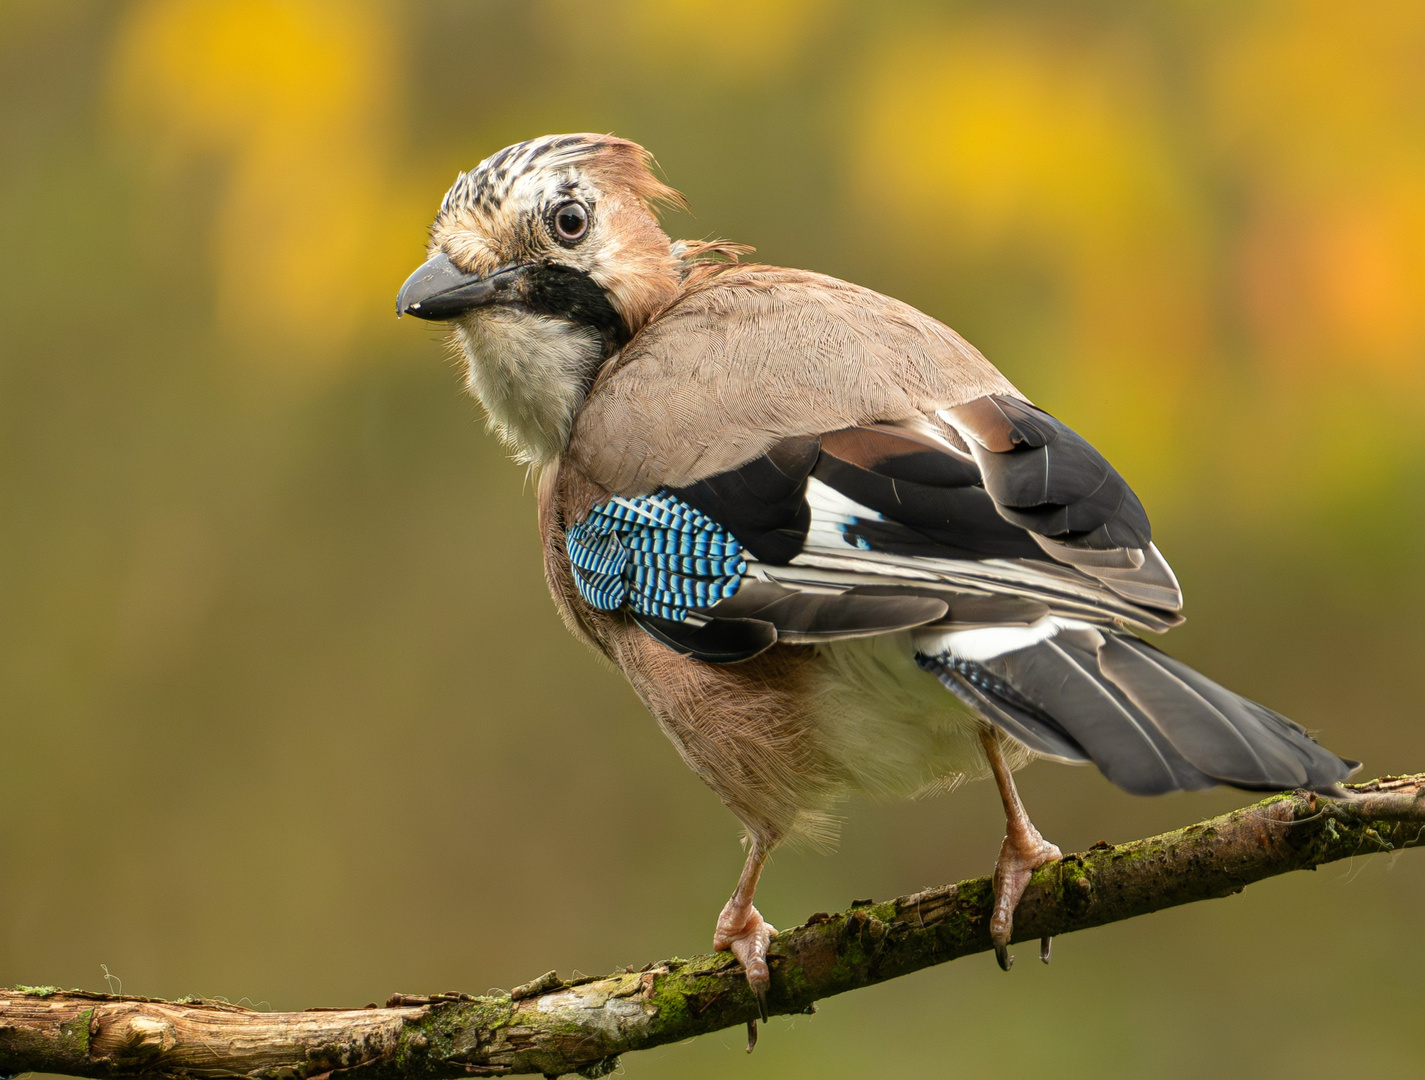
(742, 929)
(1022, 852)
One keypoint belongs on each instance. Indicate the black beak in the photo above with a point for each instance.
(437, 290)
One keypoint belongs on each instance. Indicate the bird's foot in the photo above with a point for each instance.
(741, 929)
(1022, 852)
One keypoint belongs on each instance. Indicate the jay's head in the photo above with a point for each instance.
(545, 259)
(560, 226)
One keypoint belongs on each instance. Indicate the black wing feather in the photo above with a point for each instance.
(952, 519)
(1049, 479)
(719, 641)
(762, 503)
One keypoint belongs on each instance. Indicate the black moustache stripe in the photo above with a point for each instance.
(566, 293)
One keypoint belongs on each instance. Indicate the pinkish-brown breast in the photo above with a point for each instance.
(746, 729)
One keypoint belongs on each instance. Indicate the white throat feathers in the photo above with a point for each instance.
(530, 372)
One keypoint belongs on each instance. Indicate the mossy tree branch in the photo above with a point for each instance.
(555, 1027)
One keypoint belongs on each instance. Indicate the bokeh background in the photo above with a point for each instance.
(286, 713)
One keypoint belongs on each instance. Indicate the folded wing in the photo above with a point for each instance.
(877, 528)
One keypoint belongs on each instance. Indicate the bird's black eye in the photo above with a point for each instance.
(571, 222)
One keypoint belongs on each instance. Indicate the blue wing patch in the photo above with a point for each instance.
(655, 554)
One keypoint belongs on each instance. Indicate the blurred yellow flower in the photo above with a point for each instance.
(291, 98)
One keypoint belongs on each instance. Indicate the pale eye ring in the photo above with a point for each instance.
(571, 222)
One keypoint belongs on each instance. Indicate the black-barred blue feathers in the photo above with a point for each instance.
(655, 554)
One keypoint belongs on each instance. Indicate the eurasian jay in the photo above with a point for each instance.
(834, 550)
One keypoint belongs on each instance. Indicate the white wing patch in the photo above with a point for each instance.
(831, 512)
(983, 643)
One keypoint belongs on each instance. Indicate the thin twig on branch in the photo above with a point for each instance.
(555, 1027)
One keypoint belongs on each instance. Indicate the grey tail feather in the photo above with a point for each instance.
(1149, 722)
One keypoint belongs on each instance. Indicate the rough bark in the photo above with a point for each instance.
(554, 1027)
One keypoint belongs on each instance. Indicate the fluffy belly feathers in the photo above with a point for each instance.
(889, 727)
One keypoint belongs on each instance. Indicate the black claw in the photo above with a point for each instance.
(1002, 955)
(1046, 948)
(751, 1035)
(760, 992)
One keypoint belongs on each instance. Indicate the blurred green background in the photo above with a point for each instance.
(286, 713)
